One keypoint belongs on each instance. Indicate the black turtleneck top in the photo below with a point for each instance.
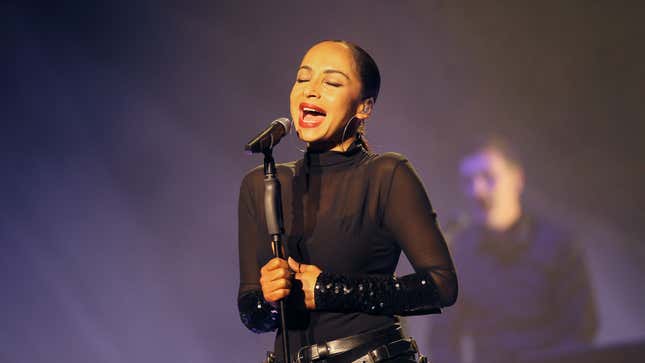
(349, 213)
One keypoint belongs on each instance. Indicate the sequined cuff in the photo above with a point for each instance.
(412, 294)
(256, 313)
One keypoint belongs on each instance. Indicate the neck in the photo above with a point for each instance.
(345, 145)
(326, 146)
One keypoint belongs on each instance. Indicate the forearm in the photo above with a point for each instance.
(413, 294)
(257, 314)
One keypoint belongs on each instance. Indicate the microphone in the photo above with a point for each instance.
(270, 137)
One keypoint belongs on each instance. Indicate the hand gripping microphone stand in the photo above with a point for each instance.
(275, 226)
(264, 143)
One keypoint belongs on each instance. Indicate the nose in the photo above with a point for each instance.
(311, 91)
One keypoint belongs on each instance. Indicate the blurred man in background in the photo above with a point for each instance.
(524, 289)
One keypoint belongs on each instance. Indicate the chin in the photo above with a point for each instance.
(305, 136)
(311, 135)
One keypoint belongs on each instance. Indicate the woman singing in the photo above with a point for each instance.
(348, 214)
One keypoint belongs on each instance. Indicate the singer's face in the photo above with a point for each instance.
(326, 94)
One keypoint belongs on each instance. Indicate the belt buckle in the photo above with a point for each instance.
(379, 354)
(270, 358)
(316, 352)
(300, 356)
(319, 351)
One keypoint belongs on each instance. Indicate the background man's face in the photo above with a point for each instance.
(491, 183)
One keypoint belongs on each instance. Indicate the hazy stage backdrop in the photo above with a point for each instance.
(124, 125)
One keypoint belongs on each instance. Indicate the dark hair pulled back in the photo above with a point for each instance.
(370, 80)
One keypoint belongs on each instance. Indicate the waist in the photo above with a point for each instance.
(322, 326)
(357, 344)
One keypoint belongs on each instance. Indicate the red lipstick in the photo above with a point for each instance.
(311, 115)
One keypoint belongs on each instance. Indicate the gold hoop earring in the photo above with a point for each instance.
(342, 137)
(299, 148)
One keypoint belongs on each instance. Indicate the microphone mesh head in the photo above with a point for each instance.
(285, 122)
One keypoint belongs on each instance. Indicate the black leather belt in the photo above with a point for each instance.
(386, 343)
(394, 349)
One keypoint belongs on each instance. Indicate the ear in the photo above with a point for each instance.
(365, 109)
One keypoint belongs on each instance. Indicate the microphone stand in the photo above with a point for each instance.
(275, 226)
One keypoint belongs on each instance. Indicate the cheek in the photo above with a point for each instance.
(505, 190)
(293, 105)
(341, 111)
(341, 101)
(292, 96)
(513, 188)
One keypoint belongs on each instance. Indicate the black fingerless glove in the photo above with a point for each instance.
(256, 313)
(412, 294)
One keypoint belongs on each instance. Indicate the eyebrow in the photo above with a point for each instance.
(326, 71)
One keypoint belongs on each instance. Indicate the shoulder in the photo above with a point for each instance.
(550, 232)
(388, 159)
(387, 163)
(252, 178)
(394, 173)
(554, 239)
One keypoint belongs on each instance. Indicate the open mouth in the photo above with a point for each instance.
(311, 115)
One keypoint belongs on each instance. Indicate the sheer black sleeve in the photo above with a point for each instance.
(408, 215)
(255, 312)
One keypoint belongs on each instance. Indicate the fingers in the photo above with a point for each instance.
(301, 267)
(310, 303)
(276, 295)
(272, 275)
(307, 274)
(274, 263)
(308, 268)
(275, 280)
(276, 290)
(277, 285)
(294, 265)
